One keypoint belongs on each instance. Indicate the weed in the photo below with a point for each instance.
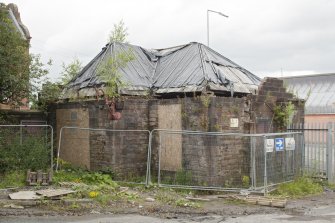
(205, 100)
(300, 187)
(282, 114)
(234, 109)
(81, 176)
(68, 176)
(29, 154)
(104, 199)
(228, 183)
(74, 205)
(245, 181)
(217, 128)
(97, 178)
(186, 203)
(93, 194)
(13, 179)
(204, 122)
(166, 197)
(183, 177)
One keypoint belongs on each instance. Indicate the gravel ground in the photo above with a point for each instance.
(320, 207)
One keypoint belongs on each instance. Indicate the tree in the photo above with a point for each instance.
(119, 33)
(109, 70)
(49, 93)
(70, 71)
(21, 73)
(14, 61)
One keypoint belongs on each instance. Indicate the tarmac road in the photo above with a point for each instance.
(324, 214)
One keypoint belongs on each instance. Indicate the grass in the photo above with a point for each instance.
(174, 198)
(300, 187)
(13, 179)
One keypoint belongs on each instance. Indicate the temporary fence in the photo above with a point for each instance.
(26, 147)
(225, 161)
(319, 140)
(275, 158)
(122, 153)
(186, 159)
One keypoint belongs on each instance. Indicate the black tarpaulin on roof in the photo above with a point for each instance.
(187, 68)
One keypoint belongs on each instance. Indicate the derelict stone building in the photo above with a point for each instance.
(187, 87)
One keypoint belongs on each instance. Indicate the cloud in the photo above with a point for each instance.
(262, 36)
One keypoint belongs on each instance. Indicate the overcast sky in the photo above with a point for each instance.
(269, 38)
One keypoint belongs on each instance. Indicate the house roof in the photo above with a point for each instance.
(318, 90)
(192, 67)
(14, 15)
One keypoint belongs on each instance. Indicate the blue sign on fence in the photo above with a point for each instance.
(279, 144)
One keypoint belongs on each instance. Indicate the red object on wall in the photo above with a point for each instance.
(113, 115)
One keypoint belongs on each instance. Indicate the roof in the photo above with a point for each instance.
(192, 67)
(318, 90)
(14, 15)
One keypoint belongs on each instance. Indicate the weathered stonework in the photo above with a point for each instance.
(272, 92)
(212, 160)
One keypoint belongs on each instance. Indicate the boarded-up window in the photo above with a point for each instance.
(169, 117)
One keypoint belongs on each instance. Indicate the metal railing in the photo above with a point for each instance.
(319, 144)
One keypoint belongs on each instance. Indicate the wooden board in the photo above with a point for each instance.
(54, 192)
(24, 195)
(169, 117)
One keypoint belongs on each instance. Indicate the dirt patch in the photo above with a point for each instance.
(163, 203)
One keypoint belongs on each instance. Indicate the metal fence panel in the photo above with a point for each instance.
(319, 149)
(122, 153)
(28, 142)
(222, 161)
(274, 161)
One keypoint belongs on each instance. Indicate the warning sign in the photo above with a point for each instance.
(269, 145)
(289, 144)
(234, 122)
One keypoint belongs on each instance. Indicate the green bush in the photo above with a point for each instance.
(32, 154)
(97, 178)
(82, 176)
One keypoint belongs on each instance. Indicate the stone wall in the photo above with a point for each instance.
(211, 160)
(125, 153)
(272, 93)
(14, 117)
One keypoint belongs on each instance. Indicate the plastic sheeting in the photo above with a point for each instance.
(186, 68)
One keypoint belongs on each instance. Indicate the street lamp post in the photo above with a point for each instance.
(208, 11)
